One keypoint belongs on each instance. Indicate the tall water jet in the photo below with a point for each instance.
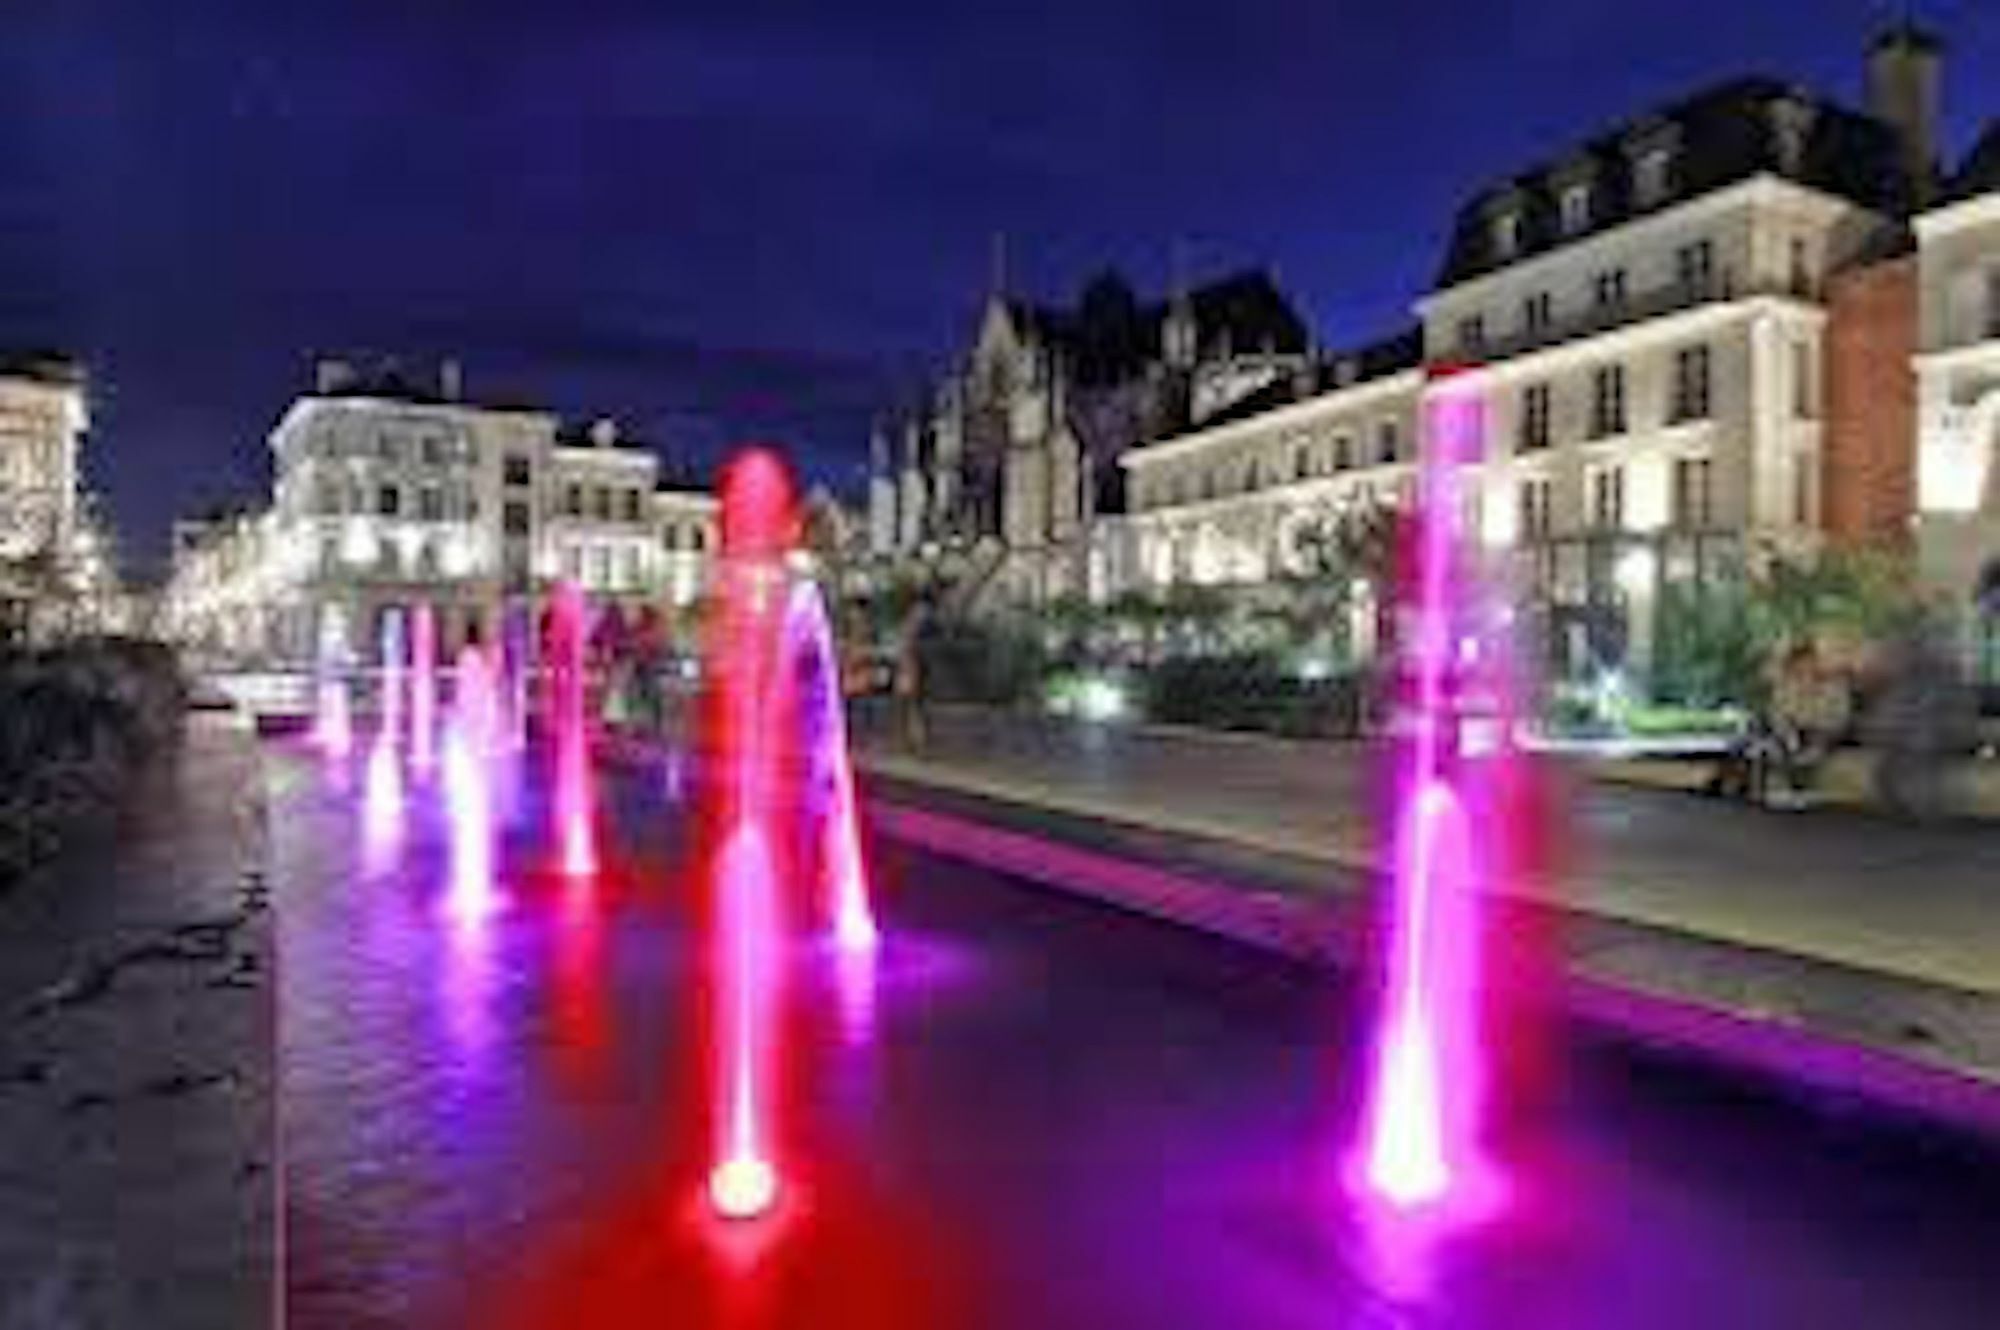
(757, 524)
(1421, 1140)
(423, 687)
(828, 765)
(569, 738)
(383, 796)
(468, 801)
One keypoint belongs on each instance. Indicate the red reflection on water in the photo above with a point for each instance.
(582, 1019)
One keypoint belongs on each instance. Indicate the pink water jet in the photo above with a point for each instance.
(423, 687)
(808, 633)
(382, 795)
(468, 795)
(570, 737)
(333, 723)
(1421, 1141)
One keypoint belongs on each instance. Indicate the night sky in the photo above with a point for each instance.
(718, 221)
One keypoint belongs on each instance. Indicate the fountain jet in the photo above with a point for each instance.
(423, 687)
(1421, 1132)
(828, 765)
(570, 739)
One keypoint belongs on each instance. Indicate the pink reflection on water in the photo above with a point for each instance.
(333, 724)
(468, 795)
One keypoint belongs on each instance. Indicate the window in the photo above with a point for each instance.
(1575, 208)
(433, 450)
(1343, 452)
(1690, 400)
(1805, 487)
(519, 470)
(1649, 177)
(1609, 289)
(573, 500)
(628, 571)
(1607, 498)
(1507, 234)
(700, 539)
(672, 537)
(430, 503)
(600, 504)
(388, 501)
(1805, 391)
(573, 564)
(631, 505)
(516, 518)
(1537, 312)
(1607, 401)
(1387, 439)
(326, 495)
(1693, 495)
(390, 447)
(1472, 335)
(1534, 416)
(1694, 265)
(1993, 302)
(1536, 492)
(1301, 463)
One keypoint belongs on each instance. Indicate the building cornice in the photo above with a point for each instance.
(1357, 396)
(1984, 352)
(1939, 222)
(1633, 336)
(1765, 188)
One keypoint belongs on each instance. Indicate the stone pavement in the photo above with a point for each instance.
(1850, 925)
(136, 1043)
(1831, 885)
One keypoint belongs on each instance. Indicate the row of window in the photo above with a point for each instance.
(1608, 292)
(628, 503)
(431, 503)
(1690, 397)
(1691, 499)
(1651, 181)
(1303, 461)
(430, 448)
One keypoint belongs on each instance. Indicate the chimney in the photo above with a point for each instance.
(1903, 69)
(331, 374)
(451, 379)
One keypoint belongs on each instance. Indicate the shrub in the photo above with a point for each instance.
(1253, 692)
(77, 722)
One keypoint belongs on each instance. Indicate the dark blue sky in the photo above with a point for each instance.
(723, 220)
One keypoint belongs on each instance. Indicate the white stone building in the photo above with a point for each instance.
(387, 495)
(1958, 403)
(56, 572)
(1645, 315)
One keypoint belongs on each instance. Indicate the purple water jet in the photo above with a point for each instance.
(570, 739)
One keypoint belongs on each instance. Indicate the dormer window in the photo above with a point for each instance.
(1575, 208)
(1791, 120)
(1650, 176)
(1507, 234)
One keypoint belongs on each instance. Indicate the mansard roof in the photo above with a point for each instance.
(1719, 136)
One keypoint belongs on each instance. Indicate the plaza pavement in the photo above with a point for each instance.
(1847, 923)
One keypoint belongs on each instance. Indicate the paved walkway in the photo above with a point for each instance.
(136, 1040)
(1828, 885)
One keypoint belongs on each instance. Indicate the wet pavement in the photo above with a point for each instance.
(136, 1063)
(1028, 1111)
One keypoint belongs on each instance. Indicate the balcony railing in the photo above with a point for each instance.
(1670, 298)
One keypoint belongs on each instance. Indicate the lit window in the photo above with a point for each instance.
(1649, 177)
(1575, 208)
